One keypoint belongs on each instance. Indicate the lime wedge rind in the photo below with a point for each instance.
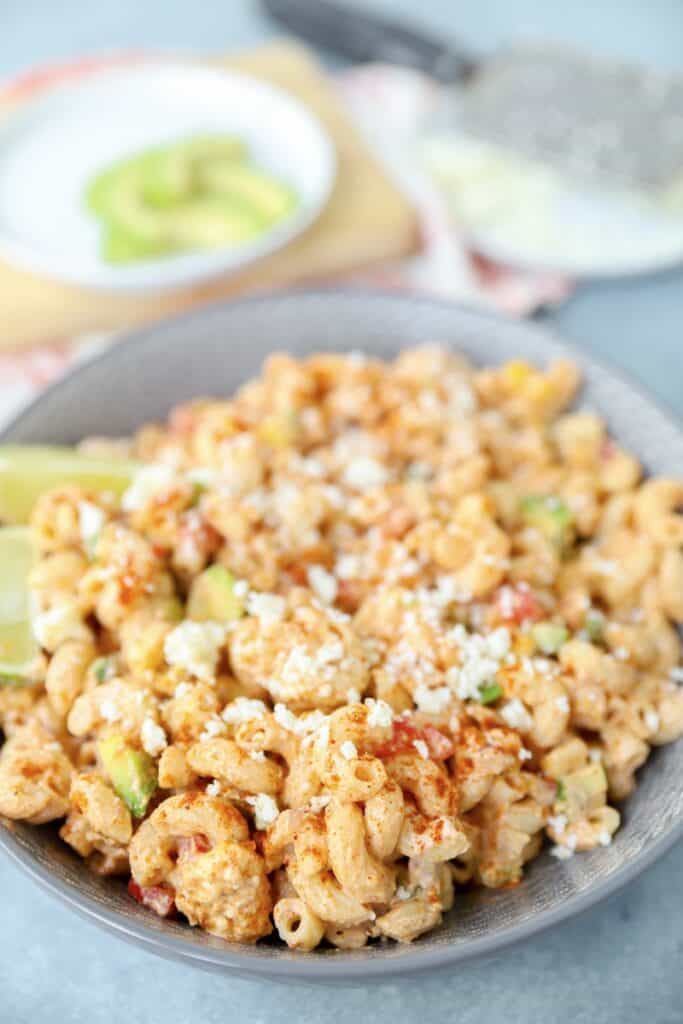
(27, 471)
(19, 649)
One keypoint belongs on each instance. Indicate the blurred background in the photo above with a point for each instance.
(407, 209)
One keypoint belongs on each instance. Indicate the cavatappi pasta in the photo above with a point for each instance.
(363, 635)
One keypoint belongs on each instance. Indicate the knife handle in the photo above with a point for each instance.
(353, 33)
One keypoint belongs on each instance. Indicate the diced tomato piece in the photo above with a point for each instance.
(155, 897)
(519, 604)
(190, 846)
(440, 746)
(404, 736)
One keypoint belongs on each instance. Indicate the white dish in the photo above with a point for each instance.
(51, 148)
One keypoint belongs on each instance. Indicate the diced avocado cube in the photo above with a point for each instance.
(584, 790)
(132, 772)
(551, 516)
(490, 693)
(549, 636)
(212, 597)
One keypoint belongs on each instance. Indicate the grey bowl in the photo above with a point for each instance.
(211, 352)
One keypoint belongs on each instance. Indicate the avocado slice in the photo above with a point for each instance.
(552, 516)
(120, 245)
(210, 147)
(549, 636)
(267, 196)
(210, 222)
(212, 597)
(132, 772)
(117, 197)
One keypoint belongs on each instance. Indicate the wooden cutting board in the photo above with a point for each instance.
(367, 221)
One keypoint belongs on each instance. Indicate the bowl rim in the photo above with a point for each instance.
(336, 967)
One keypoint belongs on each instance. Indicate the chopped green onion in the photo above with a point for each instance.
(595, 627)
(101, 669)
(561, 791)
(489, 694)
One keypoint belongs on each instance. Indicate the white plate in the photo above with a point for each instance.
(522, 213)
(51, 148)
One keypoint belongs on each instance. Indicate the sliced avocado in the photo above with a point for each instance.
(549, 636)
(166, 177)
(210, 222)
(212, 597)
(213, 147)
(132, 772)
(122, 246)
(117, 197)
(552, 516)
(267, 196)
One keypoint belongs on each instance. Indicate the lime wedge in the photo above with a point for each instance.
(26, 471)
(18, 646)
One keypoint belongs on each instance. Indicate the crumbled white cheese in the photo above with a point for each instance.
(153, 737)
(652, 721)
(322, 583)
(61, 622)
(318, 803)
(676, 674)
(347, 567)
(621, 653)
(353, 696)
(195, 647)
(182, 690)
(404, 892)
(212, 727)
(562, 703)
(213, 788)
(480, 660)
(604, 838)
(284, 717)
(524, 754)
(147, 483)
(202, 476)
(380, 714)
(265, 809)
(498, 643)
(348, 750)
(422, 749)
(595, 754)
(432, 700)
(257, 755)
(516, 715)
(558, 823)
(109, 710)
(363, 472)
(267, 608)
(243, 709)
(561, 852)
(90, 522)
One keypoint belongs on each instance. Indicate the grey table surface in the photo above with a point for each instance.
(617, 963)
